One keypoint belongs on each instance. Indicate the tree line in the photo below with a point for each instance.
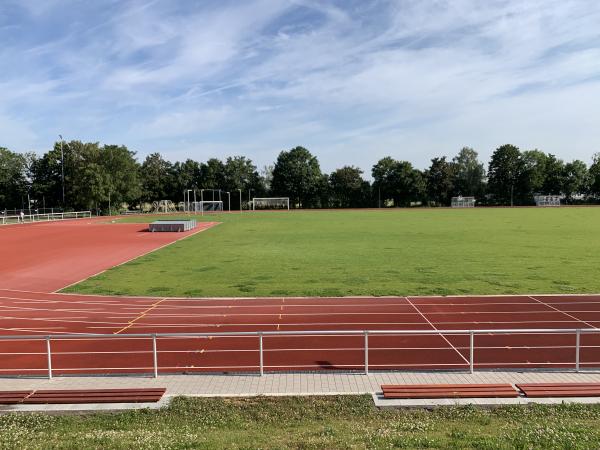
(98, 177)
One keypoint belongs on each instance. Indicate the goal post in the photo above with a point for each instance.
(462, 202)
(262, 203)
(206, 206)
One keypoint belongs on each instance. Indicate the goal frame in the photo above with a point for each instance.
(283, 199)
(200, 206)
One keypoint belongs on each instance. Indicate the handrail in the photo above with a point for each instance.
(301, 333)
(261, 334)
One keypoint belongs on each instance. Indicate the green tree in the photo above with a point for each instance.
(469, 174)
(440, 181)
(398, 181)
(575, 179)
(123, 174)
(532, 175)
(554, 177)
(297, 175)
(157, 179)
(212, 174)
(348, 188)
(14, 178)
(594, 176)
(503, 173)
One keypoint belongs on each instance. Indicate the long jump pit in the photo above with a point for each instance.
(49, 256)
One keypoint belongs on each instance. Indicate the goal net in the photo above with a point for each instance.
(262, 203)
(206, 206)
(547, 200)
(463, 202)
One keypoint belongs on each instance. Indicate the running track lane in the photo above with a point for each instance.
(47, 256)
(34, 313)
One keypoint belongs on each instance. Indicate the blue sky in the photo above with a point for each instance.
(353, 81)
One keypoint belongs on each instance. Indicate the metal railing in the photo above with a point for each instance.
(46, 217)
(154, 337)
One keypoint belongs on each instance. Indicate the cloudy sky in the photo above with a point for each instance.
(352, 81)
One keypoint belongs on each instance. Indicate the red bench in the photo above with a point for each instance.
(13, 397)
(560, 389)
(405, 391)
(96, 396)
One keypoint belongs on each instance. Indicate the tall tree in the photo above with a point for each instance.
(469, 174)
(398, 181)
(212, 174)
(554, 176)
(575, 179)
(157, 179)
(13, 179)
(297, 174)
(594, 176)
(503, 173)
(440, 181)
(532, 175)
(348, 188)
(123, 174)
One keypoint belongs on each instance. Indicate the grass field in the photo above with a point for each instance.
(349, 422)
(386, 252)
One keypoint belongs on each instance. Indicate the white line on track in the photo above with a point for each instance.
(563, 312)
(434, 327)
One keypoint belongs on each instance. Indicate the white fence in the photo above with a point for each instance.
(470, 360)
(48, 217)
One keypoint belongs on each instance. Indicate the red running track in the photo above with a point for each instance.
(41, 314)
(47, 256)
(40, 258)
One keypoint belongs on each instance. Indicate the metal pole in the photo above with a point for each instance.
(471, 350)
(62, 169)
(49, 354)
(577, 348)
(195, 201)
(154, 355)
(366, 352)
(240, 200)
(202, 201)
(229, 201)
(260, 352)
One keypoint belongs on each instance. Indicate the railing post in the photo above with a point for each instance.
(577, 348)
(260, 353)
(366, 352)
(154, 355)
(49, 354)
(471, 350)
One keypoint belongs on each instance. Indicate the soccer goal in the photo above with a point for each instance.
(262, 203)
(463, 202)
(207, 206)
(547, 200)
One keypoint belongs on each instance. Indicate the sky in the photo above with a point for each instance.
(352, 81)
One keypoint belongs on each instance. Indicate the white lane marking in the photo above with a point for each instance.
(434, 327)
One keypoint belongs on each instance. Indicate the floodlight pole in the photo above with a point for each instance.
(240, 200)
(229, 201)
(195, 201)
(188, 199)
(62, 169)
(202, 202)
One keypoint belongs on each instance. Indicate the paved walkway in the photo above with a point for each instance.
(291, 383)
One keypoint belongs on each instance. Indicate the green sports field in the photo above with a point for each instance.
(372, 252)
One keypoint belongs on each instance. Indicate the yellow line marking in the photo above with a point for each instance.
(141, 316)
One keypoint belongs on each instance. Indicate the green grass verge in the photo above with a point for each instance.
(387, 252)
(349, 422)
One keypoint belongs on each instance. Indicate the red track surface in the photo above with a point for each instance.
(48, 256)
(37, 313)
